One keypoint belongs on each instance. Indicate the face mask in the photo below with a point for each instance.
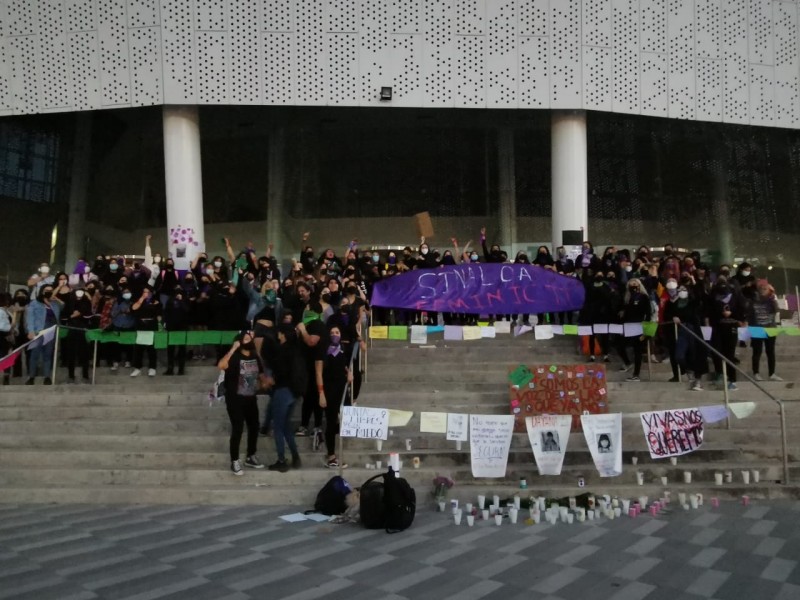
(209, 271)
(335, 339)
(633, 290)
(683, 294)
(672, 285)
(44, 270)
(746, 273)
(598, 283)
(392, 260)
(326, 298)
(473, 257)
(157, 259)
(218, 264)
(375, 258)
(126, 296)
(522, 258)
(79, 294)
(86, 268)
(113, 266)
(628, 269)
(21, 301)
(424, 251)
(587, 250)
(48, 294)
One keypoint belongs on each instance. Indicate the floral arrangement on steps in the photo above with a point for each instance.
(441, 486)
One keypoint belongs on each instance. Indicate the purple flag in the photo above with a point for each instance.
(481, 288)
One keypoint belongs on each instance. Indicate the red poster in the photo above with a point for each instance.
(560, 390)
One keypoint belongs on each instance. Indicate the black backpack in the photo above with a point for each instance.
(390, 504)
(331, 498)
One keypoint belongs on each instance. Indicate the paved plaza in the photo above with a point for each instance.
(236, 553)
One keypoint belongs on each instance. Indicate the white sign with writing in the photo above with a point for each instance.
(603, 435)
(490, 439)
(548, 435)
(457, 427)
(366, 423)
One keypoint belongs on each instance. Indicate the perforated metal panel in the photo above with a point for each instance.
(721, 60)
(565, 54)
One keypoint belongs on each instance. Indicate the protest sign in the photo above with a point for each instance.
(603, 435)
(548, 435)
(433, 422)
(490, 439)
(481, 288)
(457, 427)
(557, 390)
(365, 423)
(672, 432)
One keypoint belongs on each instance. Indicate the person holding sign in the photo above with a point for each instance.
(243, 374)
(332, 377)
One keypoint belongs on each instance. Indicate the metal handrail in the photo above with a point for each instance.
(779, 402)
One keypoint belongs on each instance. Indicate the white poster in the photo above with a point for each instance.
(457, 427)
(419, 334)
(673, 432)
(365, 423)
(549, 435)
(603, 435)
(489, 440)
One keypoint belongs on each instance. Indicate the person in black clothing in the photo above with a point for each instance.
(726, 312)
(167, 281)
(333, 374)
(636, 309)
(146, 309)
(290, 377)
(311, 334)
(243, 370)
(177, 317)
(78, 315)
(681, 309)
(227, 311)
(597, 308)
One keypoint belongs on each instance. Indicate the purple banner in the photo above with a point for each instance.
(485, 288)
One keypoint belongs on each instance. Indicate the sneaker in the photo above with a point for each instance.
(697, 386)
(606, 358)
(774, 377)
(758, 377)
(114, 366)
(319, 439)
(732, 386)
(253, 462)
(301, 432)
(29, 381)
(151, 372)
(279, 465)
(236, 467)
(127, 364)
(592, 358)
(47, 381)
(673, 380)
(136, 372)
(334, 464)
(633, 378)
(626, 368)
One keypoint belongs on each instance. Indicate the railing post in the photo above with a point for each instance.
(94, 362)
(649, 362)
(55, 356)
(675, 345)
(784, 446)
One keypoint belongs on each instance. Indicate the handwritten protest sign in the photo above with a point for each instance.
(603, 435)
(548, 435)
(457, 427)
(365, 423)
(557, 390)
(433, 422)
(672, 432)
(490, 439)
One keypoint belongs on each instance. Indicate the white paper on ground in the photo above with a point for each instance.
(488, 332)
(714, 413)
(502, 326)
(742, 410)
(522, 329)
(294, 518)
(543, 332)
(317, 517)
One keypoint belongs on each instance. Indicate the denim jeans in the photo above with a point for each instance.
(42, 355)
(282, 405)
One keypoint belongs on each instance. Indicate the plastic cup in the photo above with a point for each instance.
(664, 480)
(673, 460)
(693, 501)
(728, 476)
(485, 514)
(379, 445)
(681, 498)
(498, 519)
(408, 444)
(618, 512)
(517, 502)
(470, 520)
(755, 475)
(513, 514)
(442, 504)
(468, 508)
(718, 478)
(457, 517)
(634, 460)
(687, 477)
(626, 506)
(590, 515)
(378, 464)
(570, 518)
(639, 478)
(481, 501)
(746, 477)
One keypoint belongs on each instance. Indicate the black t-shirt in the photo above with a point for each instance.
(312, 354)
(241, 376)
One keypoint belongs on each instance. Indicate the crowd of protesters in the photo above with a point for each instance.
(300, 331)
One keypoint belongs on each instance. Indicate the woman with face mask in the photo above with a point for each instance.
(166, 281)
(147, 310)
(122, 320)
(44, 312)
(680, 309)
(763, 311)
(635, 309)
(725, 313)
(43, 276)
(597, 308)
(332, 371)
(176, 318)
(116, 271)
(78, 314)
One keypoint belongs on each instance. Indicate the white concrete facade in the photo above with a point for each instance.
(733, 61)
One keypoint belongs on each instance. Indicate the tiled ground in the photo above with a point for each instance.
(235, 553)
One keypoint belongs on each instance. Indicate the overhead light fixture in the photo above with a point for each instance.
(386, 93)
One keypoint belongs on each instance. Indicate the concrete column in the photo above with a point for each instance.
(78, 189)
(276, 191)
(507, 189)
(184, 183)
(569, 174)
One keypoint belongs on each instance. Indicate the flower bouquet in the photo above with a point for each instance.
(441, 484)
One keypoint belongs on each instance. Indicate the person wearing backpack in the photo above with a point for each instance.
(289, 371)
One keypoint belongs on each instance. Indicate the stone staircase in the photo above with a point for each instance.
(157, 440)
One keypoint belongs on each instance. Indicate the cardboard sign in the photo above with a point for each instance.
(603, 435)
(672, 432)
(365, 423)
(558, 390)
(424, 224)
(490, 439)
(548, 435)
